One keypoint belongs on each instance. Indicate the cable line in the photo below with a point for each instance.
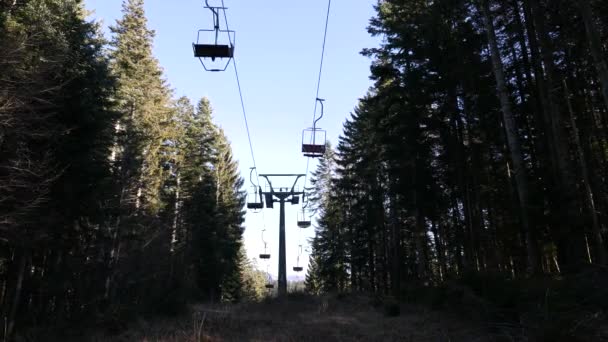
(319, 79)
(238, 82)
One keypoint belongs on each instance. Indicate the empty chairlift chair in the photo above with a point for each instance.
(297, 267)
(221, 48)
(304, 216)
(269, 283)
(265, 255)
(254, 198)
(313, 142)
(313, 139)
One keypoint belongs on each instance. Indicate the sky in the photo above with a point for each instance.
(277, 51)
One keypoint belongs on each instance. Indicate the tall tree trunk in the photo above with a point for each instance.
(176, 214)
(570, 233)
(513, 141)
(395, 256)
(16, 295)
(600, 249)
(595, 45)
(439, 250)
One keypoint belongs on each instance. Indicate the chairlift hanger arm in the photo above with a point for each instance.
(251, 177)
(322, 102)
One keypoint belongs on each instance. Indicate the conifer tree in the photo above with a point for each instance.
(143, 101)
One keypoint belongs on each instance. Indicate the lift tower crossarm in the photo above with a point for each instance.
(292, 192)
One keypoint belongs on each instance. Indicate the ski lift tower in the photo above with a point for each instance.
(281, 196)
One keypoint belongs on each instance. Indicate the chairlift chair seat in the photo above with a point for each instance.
(213, 51)
(304, 224)
(255, 205)
(298, 269)
(270, 286)
(312, 150)
(264, 256)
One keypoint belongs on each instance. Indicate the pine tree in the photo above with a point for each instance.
(312, 283)
(143, 101)
(141, 134)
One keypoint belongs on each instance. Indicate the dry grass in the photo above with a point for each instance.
(307, 319)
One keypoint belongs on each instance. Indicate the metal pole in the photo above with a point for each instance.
(282, 258)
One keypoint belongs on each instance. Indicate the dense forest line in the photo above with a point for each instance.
(115, 197)
(482, 148)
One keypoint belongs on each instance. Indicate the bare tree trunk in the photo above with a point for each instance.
(569, 228)
(176, 214)
(439, 250)
(22, 263)
(513, 141)
(597, 233)
(395, 256)
(595, 45)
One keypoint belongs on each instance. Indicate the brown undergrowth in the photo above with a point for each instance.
(306, 318)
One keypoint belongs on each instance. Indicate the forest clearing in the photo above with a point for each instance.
(454, 313)
(302, 319)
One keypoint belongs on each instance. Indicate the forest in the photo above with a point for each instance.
(115, 194)
(481, 152)
(471, 176)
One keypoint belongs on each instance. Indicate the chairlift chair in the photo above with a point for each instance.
(214, 50)
(269, 283)
(297, 267)
(304, 218)
(314, 138)
(313, 142)
(254, 200)
(264, 255)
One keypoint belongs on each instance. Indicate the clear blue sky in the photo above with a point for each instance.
(278, 50)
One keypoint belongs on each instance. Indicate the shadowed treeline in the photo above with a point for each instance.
(480, 151)
(115, 198)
